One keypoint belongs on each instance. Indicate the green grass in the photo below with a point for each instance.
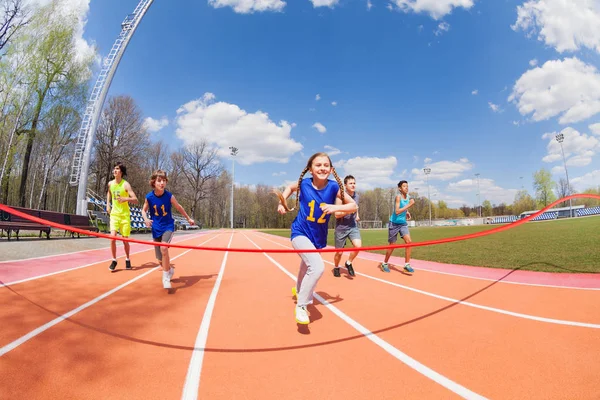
(551, 246)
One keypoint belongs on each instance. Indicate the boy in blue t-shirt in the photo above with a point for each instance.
(159, 202)
(398, 225)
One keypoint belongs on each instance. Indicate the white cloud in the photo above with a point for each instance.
(595, 128)
(334, 103)
(249, 6)
(474, 92)
(444, 170)
(442, 27)
(589, 180)
(566, 25)
(222, 124)
(155, 125)
(427, 160)
(533, 63)
(320, 127)
(279, 173)
(369, 5)
(494, 107)
(488, 189)
(79, 9)
(435, 8)
(570, 88)
(318, 97)
(332, 151)
(370, 172)
(324, 3)
(579, 148)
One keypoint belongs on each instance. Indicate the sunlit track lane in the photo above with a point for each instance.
(496, 355)
(34, 303)
(135, 344)
(256, 349)
(549, 302)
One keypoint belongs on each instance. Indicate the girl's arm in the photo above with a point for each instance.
(348, 207)
(179, 208)
(287, 192)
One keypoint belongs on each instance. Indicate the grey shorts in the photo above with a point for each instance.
(395, 229)
(166, 237)
(341, 234)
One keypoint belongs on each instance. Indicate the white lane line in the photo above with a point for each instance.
(81, 266)
(192, 379)
(16, 343)
(406, 359)
(466, 303)
(476, 277)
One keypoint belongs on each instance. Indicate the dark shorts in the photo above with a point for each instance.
(343, 233)
(166, 237)
(396, 229)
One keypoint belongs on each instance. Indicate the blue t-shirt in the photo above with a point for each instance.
(400, 218)
(160, 211)
(311, 221)
(349, 220)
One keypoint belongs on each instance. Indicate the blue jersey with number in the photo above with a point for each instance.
(160, 210)
(311, 221)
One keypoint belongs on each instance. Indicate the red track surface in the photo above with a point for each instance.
(140, 342)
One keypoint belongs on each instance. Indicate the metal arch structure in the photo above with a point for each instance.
(83, 147)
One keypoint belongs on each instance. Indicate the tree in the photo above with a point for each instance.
(523, 202)
(543, 184)
(563, 190)
(120, 137)
(14, 17)
(486, 207)
(55, 72)
(200, 166)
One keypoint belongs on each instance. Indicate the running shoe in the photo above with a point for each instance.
(302, 316)
(350, 268)
(385, 267)
(166, 280)
(171, 273)
(408, 268)
(127, 264)
(336, 272)
(112, 265)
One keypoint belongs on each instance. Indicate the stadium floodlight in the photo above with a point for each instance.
(234, 151)
(479, 194)
(427, 171)
(560, 138)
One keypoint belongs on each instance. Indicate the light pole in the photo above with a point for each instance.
(234, 151)
(522, 186)
(427, 171)
(560, 138)
(478, 194)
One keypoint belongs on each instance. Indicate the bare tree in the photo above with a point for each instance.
(159, 156)
(563, 190)
(14, 17)
(200, 166)
(120, 137)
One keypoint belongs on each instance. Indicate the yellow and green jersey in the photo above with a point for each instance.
(116, 190)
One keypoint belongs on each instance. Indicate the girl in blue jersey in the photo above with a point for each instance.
(159, 203)
(398, 225)
(316, 200)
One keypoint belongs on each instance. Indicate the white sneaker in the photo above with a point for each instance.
(302, 316)
(166, 280)
(171, 273)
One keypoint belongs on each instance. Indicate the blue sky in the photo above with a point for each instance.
(386, 87)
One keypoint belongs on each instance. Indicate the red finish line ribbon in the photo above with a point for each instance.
(502, 228)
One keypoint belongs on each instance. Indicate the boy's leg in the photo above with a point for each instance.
(113, 243)
(340, 242)
(404, 233)
(393, 230)
(125, 229)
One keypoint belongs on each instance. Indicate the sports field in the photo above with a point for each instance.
(551, 246)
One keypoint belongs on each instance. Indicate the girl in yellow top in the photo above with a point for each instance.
(120, 192)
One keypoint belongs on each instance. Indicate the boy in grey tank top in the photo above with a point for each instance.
(346, 227)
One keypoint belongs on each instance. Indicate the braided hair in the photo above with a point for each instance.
(304, 171)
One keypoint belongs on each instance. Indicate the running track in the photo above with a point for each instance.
(227, 329)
